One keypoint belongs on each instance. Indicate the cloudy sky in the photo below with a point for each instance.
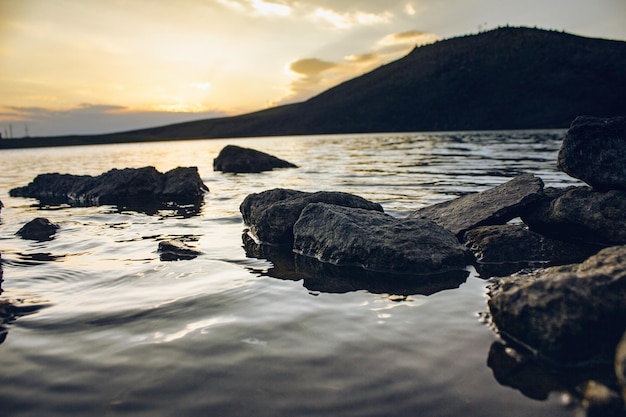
(97, 66)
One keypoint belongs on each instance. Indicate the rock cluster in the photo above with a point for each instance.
(146, 185)
(245, 160)
(559, 309)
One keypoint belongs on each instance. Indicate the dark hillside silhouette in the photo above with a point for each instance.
(507, 78)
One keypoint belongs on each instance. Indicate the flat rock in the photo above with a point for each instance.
(568, 313)
(245, 160)
(376, 241)
(504, 249)
(174, 250)
(497, 205)
(40, 229)
(118, 186)
(594, 151)
(581, 214)
(270, 215)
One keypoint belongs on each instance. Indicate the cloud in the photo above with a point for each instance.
(347, 20)
(315, 75)
(90, 119)
(257, 7)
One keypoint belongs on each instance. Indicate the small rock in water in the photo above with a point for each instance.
(174, 250)
(245, 160)
(40, 229)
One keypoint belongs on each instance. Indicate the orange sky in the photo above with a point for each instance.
(90, 66)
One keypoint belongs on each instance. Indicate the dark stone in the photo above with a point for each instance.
(272, 213)
(118, 186)
(40, 229)
(567, 313)
(244, 160)
(1, 205)
(497, 205)
(173, 250)
(323, 277)
(376, 241)
(581, 214)
(594, 151)
(504, 249)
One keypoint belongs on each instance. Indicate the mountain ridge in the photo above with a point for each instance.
(505, 78)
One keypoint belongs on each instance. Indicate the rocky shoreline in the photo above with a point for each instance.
(555, 258)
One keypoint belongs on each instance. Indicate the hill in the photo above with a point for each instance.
(506, 78)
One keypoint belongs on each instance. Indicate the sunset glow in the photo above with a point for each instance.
(87, 66)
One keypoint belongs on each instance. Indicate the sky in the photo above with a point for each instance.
(102, 66)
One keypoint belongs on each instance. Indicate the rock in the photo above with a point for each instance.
(594, 151)
(174, 250)
(40, 229)
(504, 249)
(581, 214)
(567, 313)
(494, 206)
(376, 241)
(327, 278)
(1, 205)
(270, 215)
(620, 365)
(117, 186)
(245, 160)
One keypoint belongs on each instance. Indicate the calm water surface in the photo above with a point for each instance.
(96, 325)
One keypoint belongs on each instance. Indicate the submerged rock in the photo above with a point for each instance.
(270, 215)
(174, 250)
(581, 214)
(594, 151)
(504, 249)
(40, 229)
(567, 313)
(245, 160)
(494, 206)
(118, 186)
(376, 241)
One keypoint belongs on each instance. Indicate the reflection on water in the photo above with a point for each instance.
(100, 326)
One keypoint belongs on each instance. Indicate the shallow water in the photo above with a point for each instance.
(95, 324)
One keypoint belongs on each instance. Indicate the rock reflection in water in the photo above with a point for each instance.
(537, 379)
(328, 278)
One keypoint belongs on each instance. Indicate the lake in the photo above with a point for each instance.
(95, 324)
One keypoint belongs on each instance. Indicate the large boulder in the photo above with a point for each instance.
(376, 241)
(504, 249)
(40, 229)
(118, 186)
(581, 214)
(567, 313)
(493, 206)
(270, 215)
(243, 160)
(594, 151)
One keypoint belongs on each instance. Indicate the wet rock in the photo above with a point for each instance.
(504, 249)
(497, 205)
(376, 241)
(581, 214)
(118, 186)
(270, 215)
(40, 229)
(174, 250)
(1, 205)
(324, 277)
(594, 151)
(245, 160)
(567, 313)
